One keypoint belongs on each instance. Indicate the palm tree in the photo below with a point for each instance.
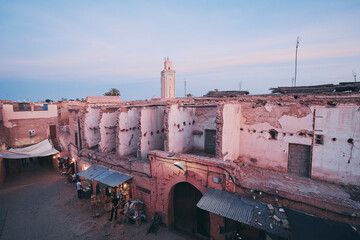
(112, 92)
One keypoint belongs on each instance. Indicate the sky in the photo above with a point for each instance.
(73, 49)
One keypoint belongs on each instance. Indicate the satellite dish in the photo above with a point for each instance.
(179, 165)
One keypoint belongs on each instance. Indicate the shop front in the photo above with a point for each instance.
(16, 160)
(244, 218)
(102, 185)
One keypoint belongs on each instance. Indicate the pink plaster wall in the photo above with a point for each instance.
(16, 125)
(167, 176)
(152, 133)
(3, 135)
(337, 160)
(107, 128)
(73, 127)
(256, 146)
(204, 119)
(128, 131)
(231, 131)
(91, 126)
(294, 124)
(183, 122)
(9, 114)
(180, 137)
(64, 137)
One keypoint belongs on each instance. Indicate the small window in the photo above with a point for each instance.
(273, 134)
(319, 139)
(210, 141)
(76, 139)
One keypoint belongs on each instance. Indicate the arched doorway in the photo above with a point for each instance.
(187, 217)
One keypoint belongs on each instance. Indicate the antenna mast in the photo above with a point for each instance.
(185, 86)
(354, 74)
(297, 45)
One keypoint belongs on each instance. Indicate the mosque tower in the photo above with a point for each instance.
(168, 80)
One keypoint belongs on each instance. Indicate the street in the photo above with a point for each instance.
(40, 204)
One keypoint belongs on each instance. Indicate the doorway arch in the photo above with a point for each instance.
(186, 216)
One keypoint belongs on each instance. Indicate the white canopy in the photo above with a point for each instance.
(41, 149)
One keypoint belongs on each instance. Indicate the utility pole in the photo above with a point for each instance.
(354, 74)
(297, 45)
(185, 86)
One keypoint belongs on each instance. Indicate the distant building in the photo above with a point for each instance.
(25, 124)
(168, 87)
(102, 99)
(226, 93)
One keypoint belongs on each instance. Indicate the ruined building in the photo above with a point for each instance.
(215, 165)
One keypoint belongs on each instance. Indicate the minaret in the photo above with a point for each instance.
(168, 80)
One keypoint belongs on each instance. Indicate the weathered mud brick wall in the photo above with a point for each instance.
(107, 128)
(267, 128)
(128, 131)
(230, 126)
(187, 126)
(152, 130)
(336, 148)
(17, 124)
(91, 127)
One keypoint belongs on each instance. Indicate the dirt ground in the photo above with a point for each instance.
(40, 204)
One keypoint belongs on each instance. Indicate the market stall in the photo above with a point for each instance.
(106, 184)
(115, 184)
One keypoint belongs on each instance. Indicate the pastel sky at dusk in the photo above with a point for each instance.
(72, 49)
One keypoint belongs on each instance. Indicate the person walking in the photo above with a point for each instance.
(115, 205)
(79, 189)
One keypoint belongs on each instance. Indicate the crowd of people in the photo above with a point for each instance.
(66, 165)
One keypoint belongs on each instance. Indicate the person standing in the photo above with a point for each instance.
(79, 189)
(115, 205)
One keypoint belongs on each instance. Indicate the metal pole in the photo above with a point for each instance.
(354, 74)
(185, 87)
(297, 45)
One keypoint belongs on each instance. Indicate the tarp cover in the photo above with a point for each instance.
(41, 149)
(114, 178)
(240, 209)
(92, 172)
(227, 205)
(104, 175)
